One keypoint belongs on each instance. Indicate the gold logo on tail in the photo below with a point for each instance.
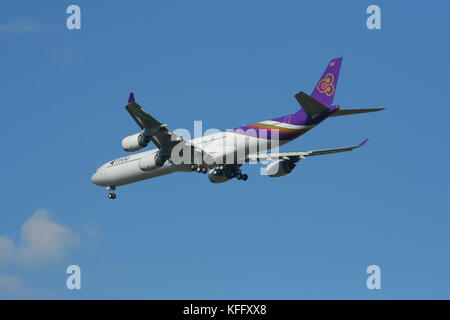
(326, 85)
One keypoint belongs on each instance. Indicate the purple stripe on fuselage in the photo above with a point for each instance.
(300, 118)
(264, 133)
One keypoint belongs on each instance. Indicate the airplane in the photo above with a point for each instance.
(222, 154)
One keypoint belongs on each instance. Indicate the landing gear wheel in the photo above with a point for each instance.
(215, 172)
(239, 176)
(192, 167)
(204, 169)
(199, 169)
(111, 194)
(244, 177)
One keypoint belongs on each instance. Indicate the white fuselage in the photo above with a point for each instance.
(224, 147)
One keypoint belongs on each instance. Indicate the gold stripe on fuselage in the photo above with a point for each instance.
(280, 129)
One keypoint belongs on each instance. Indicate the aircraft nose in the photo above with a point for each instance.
(96, 178)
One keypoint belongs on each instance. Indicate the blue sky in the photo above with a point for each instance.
(310, 234)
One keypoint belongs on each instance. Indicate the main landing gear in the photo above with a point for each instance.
(242, 176)
(199, 168)
(112, 194)
(230, 172)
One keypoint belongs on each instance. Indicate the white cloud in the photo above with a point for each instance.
(21, 26)
(42, 241)
(6, 250)
(10, 286)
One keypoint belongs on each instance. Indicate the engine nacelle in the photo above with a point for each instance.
(151, 162)
(148, 163)
(217, 179)
(135, 142)
(280, 168)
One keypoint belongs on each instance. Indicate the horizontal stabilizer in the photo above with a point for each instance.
(340, 112)
(310, 105)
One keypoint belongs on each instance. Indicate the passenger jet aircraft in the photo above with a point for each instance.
(225, 152)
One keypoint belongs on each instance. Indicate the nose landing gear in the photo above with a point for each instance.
(112, 194)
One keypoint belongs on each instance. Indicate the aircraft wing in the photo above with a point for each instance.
(295, 156)
(160, 135)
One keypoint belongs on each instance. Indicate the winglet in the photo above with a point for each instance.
(363, 143)
(131, 98)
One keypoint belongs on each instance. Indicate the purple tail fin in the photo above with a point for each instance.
(326, 87)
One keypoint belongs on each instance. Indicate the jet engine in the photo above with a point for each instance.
(151, 162)
(280, 168)
(135, 142)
